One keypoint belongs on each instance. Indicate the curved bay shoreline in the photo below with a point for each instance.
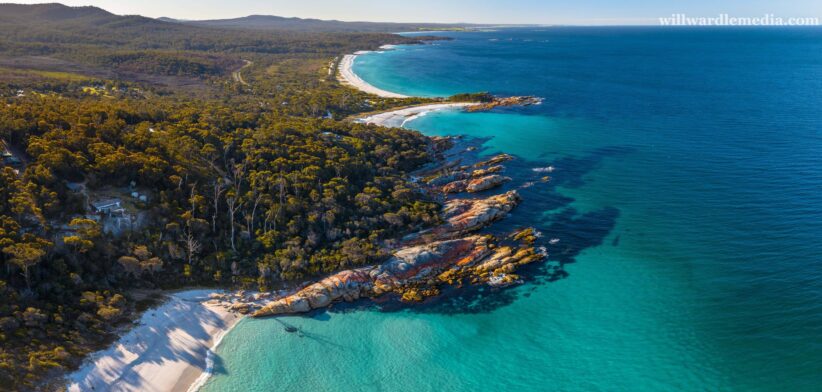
(171, 346)
(398, 117)
(347, 76)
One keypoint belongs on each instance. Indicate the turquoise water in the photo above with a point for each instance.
(687, 198)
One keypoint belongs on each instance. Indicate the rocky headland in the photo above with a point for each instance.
(504, 101)
(452, 253)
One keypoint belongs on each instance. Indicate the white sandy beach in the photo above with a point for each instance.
(394, 118)
(397, 118)
(347, 76)
(167, 352)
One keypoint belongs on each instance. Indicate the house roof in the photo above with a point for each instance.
(105, 203)
(74, 186)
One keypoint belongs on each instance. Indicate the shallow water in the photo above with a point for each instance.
(687, 198)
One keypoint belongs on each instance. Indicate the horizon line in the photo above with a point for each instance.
(462, 23)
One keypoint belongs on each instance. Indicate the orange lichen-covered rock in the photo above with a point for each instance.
(485, 183)
(505, 101)
(412, 295)
(412, 265)
(455, 187)
(495, 160)
(484, 172)
(418, 263)
(347, 285)
(467, 215)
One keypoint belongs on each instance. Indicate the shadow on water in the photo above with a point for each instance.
(578, 232)
(218, 365)
(544, 208)
(299, 332)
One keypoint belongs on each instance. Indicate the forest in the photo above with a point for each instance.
(132, 160)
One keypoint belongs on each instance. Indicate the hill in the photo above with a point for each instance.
(55, 24)
(95, 42)
(51, 11)
(35, 15)
(270, 22)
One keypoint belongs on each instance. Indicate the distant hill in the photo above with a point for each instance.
(69, 20)
(270, 22)
(41, 16)
(92, 41)
(49, 29)
(51, 11)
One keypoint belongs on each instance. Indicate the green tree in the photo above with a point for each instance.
(87, 231)
(25, 256)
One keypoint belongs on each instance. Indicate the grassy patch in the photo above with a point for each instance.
(302, 67)
(33, 73)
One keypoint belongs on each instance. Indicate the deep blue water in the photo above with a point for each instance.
(687, 198)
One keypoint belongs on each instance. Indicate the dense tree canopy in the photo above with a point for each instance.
(136, 161)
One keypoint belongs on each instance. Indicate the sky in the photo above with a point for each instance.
(576, 12)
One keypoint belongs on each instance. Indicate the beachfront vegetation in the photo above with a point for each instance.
(135, 159)
(472, 97)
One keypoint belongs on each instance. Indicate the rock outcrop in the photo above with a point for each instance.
(409, 266)
(434, 170)
(505, 259)
(418, 263)
(454, 173)
(497, 269)
(455, 187)
(348, 285)
(495, 160)
(440, 144)
(413, 273)
(467, 215)
(485, 183)
(507, 101)
(453, 178)
(484, 172)
(447, 178)
(446, 254)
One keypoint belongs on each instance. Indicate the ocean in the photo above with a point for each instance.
(686, 196)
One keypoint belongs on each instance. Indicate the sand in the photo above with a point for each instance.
(393, 118)
(347, 76)
(167, 351)
(397, 118)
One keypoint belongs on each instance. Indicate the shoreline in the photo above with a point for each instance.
(170, 349)
(205, 374)
(346, 75)
(399, 116)
(172, 346)
(396, 117)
